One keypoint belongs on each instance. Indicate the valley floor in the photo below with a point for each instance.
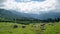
(34, 28)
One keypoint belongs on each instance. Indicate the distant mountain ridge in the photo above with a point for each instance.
(10, 14)
(7, 14)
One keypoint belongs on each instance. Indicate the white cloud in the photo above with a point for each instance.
(31, 7)
(1, 1)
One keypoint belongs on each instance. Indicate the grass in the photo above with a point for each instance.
(35, 28)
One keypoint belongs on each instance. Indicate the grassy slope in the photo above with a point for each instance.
(7, 28)
(52, 29)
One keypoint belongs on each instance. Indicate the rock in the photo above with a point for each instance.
(15, 26)
(23, 26)
(42, 24)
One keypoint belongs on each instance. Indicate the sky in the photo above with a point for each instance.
(31, 6)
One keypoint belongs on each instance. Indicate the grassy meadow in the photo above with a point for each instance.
(33, 28)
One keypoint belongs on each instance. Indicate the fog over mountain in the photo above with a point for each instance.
(39, 9)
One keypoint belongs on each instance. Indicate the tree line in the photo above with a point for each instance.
(30, 20)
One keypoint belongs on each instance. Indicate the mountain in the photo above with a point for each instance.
(12, 14)
(8, 14)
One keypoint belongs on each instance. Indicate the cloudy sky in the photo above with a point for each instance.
(30, 6)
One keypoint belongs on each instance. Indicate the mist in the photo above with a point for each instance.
(36, 9)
